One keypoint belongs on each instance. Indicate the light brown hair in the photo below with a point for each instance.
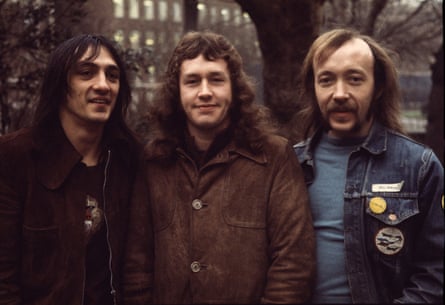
(385, 106)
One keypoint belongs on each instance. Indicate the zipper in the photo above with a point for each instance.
(110, 259)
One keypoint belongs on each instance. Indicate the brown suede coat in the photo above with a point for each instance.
(42, 251)
(237, 230)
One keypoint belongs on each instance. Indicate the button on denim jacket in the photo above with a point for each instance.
(394, 253)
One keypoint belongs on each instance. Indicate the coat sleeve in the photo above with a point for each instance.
(290, 231)
(10, 233)
(138, 261)
(426, 284)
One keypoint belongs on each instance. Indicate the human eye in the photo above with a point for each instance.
(356, 79)
(191, 81)
(85, 70)
(113, 75)
(325, 80)
(217, 79)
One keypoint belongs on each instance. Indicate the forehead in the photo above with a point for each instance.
(353, 52)
(100, 54)
(200, 65)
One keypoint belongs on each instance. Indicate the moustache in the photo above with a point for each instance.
(341, 108)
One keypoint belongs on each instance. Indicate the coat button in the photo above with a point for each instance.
(197, 204)
(195, 266)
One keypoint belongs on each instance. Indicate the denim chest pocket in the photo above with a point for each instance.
(391, 232)
(391, 210)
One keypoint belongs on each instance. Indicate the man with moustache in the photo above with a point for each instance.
(376, 195)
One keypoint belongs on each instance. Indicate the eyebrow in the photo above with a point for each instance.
(87, 63)
(212, 73)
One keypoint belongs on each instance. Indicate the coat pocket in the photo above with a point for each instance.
(40, 255)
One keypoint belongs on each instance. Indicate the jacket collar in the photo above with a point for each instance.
(375, 143)
(228, 153)
(55, 158)
(377, 139)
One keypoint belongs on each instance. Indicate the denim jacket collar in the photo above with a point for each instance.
(375, 143)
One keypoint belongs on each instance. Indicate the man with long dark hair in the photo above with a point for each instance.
(376, 195)
(66, 181)
(228, 201)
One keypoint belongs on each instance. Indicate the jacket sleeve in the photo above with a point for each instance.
(10, 236)
(426, 284)
(290, 231)
(138, 261)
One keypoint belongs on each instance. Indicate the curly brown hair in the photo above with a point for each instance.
(166, 118)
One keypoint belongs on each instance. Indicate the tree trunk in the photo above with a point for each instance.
(191, 15)
(285, 31)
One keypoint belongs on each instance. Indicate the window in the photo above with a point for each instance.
(133, 11)
(237, 17)
(149, 38)
(149, 10)
(177, 12)
(162, 10)
(118, 8)
(213, 15)
(119, 36)
(202, 12)
(134, 38)
(225, 14)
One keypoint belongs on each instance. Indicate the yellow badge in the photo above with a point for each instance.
(377, 205)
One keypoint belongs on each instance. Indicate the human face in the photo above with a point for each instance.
(206, 95)
(93, 89)
(344, 87)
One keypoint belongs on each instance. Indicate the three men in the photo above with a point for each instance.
(376, 196)
(65, 183)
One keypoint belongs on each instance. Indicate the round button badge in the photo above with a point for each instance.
(389, 240)
(377, 205)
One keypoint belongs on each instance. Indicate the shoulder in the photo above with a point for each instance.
(15, 154)
(275, 143)
(16, 143)
(404, 145)
(278, 149)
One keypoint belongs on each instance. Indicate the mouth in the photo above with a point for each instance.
(206, 107)
(102, 101)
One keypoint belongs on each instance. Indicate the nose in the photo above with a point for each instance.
(204, 90)
(101, 82)
(340, 91)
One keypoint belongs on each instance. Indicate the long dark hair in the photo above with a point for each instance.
(385, 106)
(55, 86)
(250, 121)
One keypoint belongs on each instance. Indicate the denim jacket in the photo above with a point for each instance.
(393, 218)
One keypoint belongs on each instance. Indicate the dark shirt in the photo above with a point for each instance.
(97, 278)
(200, 156)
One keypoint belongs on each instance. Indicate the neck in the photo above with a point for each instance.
(203, 141)
(204, 137)
(87, 141)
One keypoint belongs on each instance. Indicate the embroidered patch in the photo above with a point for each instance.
(389, 240)
(389, 188)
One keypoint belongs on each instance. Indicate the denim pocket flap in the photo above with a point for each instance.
(391, 210)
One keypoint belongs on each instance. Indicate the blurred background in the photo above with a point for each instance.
(272, 37)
